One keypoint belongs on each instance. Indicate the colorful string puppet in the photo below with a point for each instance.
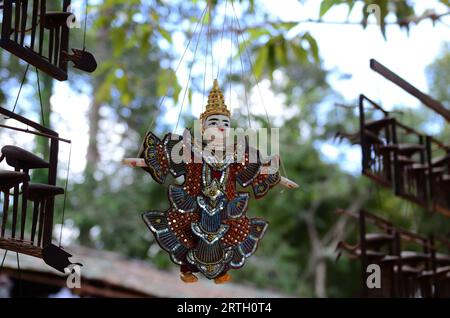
(206, 229)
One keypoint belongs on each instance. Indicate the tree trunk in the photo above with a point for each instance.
(320, 279)
(93, 155)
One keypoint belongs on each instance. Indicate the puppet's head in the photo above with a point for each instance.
(216, 117)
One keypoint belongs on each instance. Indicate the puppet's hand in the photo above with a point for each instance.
(285, 182)
(271, 165)
(134, 162)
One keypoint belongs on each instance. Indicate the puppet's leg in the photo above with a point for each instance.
(186, 274)
(223, 277)
(158, 222)
(247, 232)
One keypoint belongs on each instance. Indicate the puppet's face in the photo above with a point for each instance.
(217, 126)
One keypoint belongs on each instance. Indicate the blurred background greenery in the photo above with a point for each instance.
(134, 43)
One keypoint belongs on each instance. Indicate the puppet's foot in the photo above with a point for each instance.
(222, 278)
(188, 277)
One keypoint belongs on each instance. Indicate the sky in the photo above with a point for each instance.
(344, 49)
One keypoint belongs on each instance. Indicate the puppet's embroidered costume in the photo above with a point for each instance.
(206, 228)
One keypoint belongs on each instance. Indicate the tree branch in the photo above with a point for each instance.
(310, 226)
(401, 22)
(333, 236)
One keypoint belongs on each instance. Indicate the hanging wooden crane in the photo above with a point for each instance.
(416, 166)
(48, 44)
(411, 265)
(24, 231)
(46, 48)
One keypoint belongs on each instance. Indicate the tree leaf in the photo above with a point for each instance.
(312, 45)
(284, 25)
(257, 33)
(271, 61)
(261, 61)
(351, 5)
(384, 10)
(299, 52)
(165, 34)
(167, 83)
(327, 5)
(280, 51)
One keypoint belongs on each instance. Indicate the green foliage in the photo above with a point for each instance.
(279, 51)
(402, 9)
(327, 5)
(439, 76)
(438, 81)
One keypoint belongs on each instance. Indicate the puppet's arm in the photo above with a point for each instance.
(287, 183)
(269, 176)
(156, 159)
(262, 175)
(135, 162)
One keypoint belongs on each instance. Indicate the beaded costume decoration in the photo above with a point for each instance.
(206, 229)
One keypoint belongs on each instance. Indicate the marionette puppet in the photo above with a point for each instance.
(206, 228)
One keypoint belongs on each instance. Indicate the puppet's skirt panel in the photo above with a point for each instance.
(243, 237)
(172, 231)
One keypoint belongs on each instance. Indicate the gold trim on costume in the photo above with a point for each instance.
(216, 103)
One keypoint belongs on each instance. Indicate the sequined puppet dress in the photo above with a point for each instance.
(206, 228)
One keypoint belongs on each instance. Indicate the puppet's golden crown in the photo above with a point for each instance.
(216, 103)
